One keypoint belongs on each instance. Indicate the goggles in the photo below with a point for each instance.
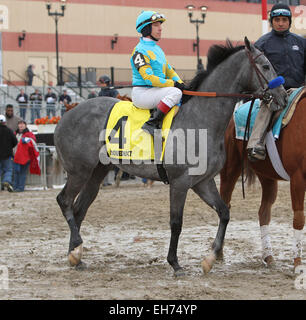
(280, 12)
(155, 17)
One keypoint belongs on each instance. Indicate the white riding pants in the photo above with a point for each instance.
(149, 98)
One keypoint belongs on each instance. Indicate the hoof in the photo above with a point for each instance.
(75, 255)
(220, 256)
(179, 273)
(81, 266)
(297, 262)
(208, 262)
(269, 261)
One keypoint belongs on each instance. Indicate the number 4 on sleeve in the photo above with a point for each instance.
(139, 60)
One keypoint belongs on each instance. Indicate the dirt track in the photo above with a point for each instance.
(126, 237)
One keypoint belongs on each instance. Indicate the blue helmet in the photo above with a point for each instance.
(147, 17)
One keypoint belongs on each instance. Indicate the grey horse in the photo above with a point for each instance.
(78, 146)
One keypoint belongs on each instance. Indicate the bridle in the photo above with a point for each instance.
(265, 96)
(261, 78)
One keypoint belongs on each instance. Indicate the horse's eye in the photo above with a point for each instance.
(266, 67)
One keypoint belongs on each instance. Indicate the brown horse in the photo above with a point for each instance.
(291, 146)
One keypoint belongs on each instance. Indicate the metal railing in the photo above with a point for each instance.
(89, 77)
(9, 84)
(48, 178)
(36, 110)
(19, 76)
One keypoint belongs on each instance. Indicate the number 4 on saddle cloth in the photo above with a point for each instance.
(124, 137)
(241, 115)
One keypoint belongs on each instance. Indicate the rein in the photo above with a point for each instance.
(217, 94)
(259, 74)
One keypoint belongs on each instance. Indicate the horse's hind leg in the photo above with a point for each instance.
(208, 192)
(89, 193)
(268, 197)
(297, 189)
(65, 199)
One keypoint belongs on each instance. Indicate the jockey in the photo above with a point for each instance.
(156, 83)
(287, 53)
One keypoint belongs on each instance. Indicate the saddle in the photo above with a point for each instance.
(289, 113)
(124, 138)
(280, 119)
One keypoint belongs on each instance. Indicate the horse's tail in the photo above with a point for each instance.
(56, 163)
(250, 174)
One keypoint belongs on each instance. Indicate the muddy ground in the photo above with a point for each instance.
(126, 237)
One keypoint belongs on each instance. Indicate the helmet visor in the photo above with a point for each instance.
(280, 12)
(154, 18)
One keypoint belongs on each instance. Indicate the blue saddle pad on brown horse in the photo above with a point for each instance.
(241, 115)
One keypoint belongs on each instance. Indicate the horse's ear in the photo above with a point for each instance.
(248, 44)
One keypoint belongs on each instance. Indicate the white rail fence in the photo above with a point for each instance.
(49, 177)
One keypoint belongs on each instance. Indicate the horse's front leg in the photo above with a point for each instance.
(268, 197)
(177, 202)
(208, 192)
(297, 190)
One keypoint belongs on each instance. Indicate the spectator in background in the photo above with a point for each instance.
(92, 94)
(21, 159)
(11, 119)
(7, 142)
(22, 100)
(106, 90)
(36, 101)
(63, 100)
(50, 99)
(30, 74)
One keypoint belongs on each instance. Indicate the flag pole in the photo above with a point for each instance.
(264, 14)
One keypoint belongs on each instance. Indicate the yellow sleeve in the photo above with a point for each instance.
(147, 74)
(171, 74)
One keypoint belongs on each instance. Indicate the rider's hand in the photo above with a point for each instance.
(180, 86)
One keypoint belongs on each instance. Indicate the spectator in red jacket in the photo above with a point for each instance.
(22, 156)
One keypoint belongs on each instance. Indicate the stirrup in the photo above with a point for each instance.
(150, 128)
(255, 154)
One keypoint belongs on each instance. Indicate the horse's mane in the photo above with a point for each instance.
(216, 54)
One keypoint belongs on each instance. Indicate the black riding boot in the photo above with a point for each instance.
(154, 122)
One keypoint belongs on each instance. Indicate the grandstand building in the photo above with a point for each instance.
(99, 34)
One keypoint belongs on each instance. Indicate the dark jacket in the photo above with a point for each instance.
(65, 97)
(36, 97)
(25, 99)
(50, 95)
(107, 92)
(287, 54)
(7, 142)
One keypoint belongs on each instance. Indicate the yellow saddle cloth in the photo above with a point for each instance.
(124, 137)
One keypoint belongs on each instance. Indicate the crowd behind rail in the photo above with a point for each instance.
(36, 105)
(28, 110)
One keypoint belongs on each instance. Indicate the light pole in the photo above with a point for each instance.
(56, 16)
(197, 22)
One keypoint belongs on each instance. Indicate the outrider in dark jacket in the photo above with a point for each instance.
(108, 92)
(8, 141)
(287, 53)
